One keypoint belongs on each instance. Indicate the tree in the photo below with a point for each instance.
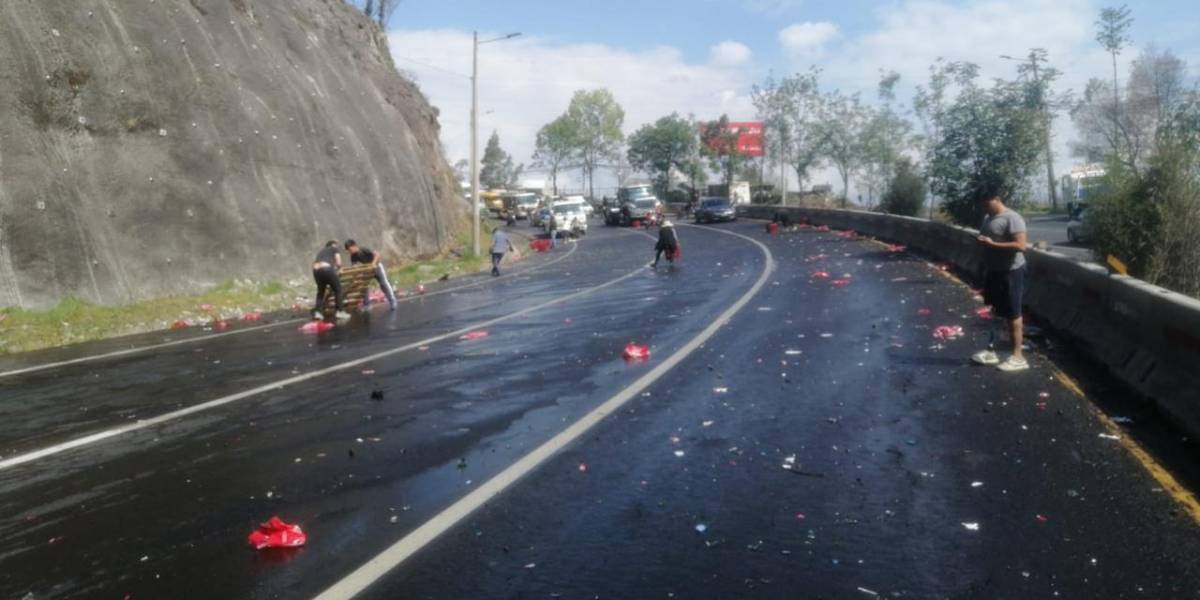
(843, 122)
(555, 146)
(1155, 90)
(883, 139)
(1039, 80)
(989, 143)
(596, 119)
(906, 192)
(1112, 32)
(497, 165)
(790, 109)
(929, 104)
(380, 10)
(719, 143)
(658, 148)
(462, 169)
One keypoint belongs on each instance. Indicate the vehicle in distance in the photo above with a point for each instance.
(1077, 228)
(644, 208)
(521, 205)
(539, 217)
(570, 217)
(712, 210)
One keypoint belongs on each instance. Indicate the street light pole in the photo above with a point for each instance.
(475, 142)
(475, 43)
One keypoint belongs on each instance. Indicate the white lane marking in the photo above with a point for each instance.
(86, 440)
(357, 581)
(204, 338)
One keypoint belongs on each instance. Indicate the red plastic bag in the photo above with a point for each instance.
(821, 275)
(984, 313)
(220, 324)
(474, 335)
(637, 224)
(840, 282)
(180, 324)
(316, 327)
(675, 253)
(252, 316)
(275, 533)
(539, 245)
(636, 352)
(772, 228)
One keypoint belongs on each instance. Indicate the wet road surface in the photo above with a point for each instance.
(822, 444)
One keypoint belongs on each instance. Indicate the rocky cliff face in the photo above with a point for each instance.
(150, 147)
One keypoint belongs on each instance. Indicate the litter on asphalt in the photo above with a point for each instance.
(276, 533)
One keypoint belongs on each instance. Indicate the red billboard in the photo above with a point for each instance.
(745, 136)
(749, 137)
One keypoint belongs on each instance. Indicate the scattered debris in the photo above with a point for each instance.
(971, 526)
(840, 282)
(636, 352)
(275, 533)
(316, 327)
(1109, 436)
(474, 335)
(948, 332)
(701, 528)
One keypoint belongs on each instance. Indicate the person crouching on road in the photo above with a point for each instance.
(325, 273)
(362, 255)
(668, 242)
(500, 245)
(1003, 237)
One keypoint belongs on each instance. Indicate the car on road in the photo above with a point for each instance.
(713, 210)
(571, 218)
(1077, 228)
(643, 208)
(521, 205)
(539, 217)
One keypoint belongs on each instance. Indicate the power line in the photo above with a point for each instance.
(434, 67)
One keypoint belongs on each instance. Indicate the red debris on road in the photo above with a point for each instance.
(636, 352)
(275, 533)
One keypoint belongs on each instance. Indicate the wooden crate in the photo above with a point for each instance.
(355, 281)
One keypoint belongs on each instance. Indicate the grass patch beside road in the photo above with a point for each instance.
(73, 320)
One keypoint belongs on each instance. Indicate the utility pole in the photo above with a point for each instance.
(475, 43)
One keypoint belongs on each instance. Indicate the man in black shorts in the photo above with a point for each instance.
(362, 255)
(325, 272)
(1003, 238)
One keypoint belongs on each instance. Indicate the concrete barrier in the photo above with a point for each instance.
(1147, 337)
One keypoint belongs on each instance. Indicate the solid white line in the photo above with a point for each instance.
(87, 440)
(377, 567)
(203, 338)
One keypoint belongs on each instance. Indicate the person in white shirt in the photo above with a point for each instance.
(500, 245)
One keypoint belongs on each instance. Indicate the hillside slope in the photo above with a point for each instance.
(161, 146)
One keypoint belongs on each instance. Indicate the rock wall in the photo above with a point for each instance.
(150, 147)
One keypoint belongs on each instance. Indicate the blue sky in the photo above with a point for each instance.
(703, 56)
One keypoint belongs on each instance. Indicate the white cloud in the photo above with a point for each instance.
(808, 36)
(729, 54)
(527, 82)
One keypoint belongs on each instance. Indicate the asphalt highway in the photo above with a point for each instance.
(792, 435)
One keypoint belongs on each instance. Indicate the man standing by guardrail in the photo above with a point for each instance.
(1003, 238)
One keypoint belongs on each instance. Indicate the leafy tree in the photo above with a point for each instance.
(1039, 79)
(656, 149)
(906, 192)
(929, 104)
(989, 143)
(719, 144)
(790, 109)
(1112, 32)
(884, 138)
(556, 143)
(1156, 88)
(496, 165)
(596, 119)
(843, 124)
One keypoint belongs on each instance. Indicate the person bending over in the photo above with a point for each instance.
(362, 255)
(668, 242)
(325, 273)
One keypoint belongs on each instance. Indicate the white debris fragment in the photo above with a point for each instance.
(971, 526)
